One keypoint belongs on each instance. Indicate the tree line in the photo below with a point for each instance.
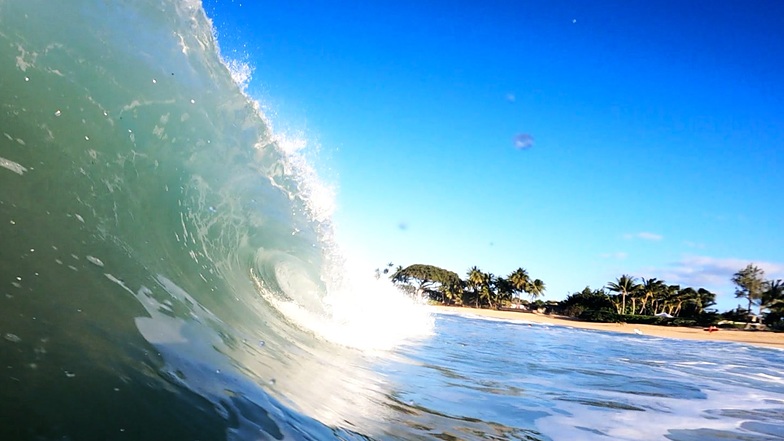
(478, 289)
(626, 298)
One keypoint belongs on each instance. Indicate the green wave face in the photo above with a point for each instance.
(147, 219)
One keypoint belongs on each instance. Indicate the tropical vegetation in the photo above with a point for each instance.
(626, 299)
(478, 289)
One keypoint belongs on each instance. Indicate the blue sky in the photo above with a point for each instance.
(657, 128)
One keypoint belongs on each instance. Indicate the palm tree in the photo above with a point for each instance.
(773, 296)
(623, 285)
(486, 288)
(519, 280)
(503, 289)
(773, 301)
(707, 298)
(451, 291)
(536, 289)
(474, 282)
(651, 291)
(671, 299)
(690, 297)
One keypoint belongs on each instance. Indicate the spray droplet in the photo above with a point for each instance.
(69, 374)
(272, 381)
(261, 343)
(523, 141)
(95, 261)
(58, 113)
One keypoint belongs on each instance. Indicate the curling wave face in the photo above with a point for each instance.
(163, 254)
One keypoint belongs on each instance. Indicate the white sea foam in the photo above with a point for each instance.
(13, 166)
(672, 414)
(358, 312)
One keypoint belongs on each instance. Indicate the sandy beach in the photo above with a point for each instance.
(757, 338)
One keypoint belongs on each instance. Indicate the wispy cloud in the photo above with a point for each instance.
(645, 235)
(711, 272)
(619, 255)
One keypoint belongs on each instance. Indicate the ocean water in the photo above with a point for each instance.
(168, 272)
(493, 379)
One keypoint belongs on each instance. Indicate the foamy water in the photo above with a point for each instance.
(512, 381)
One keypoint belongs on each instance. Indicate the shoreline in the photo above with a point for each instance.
(766, 339)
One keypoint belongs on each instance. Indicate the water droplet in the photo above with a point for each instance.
(154, 81)
(217, 371)
(272, 381)
(193, 101)
(13, 338)
(58, 113)
(86, 138)
(261, 343)
(27, 79)
(69, 374)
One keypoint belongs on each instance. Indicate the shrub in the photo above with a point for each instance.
(601, 316)
(605, 316)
